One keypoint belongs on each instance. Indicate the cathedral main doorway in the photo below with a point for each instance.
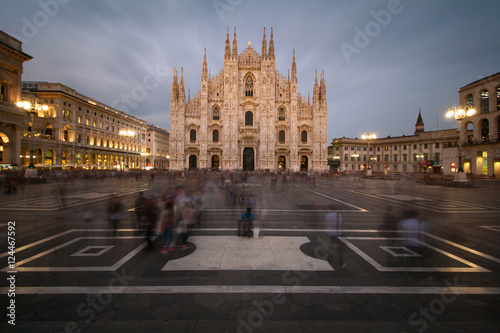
(192, 162)
(303, 163)
(248, 159)
(215, 161)
(281, 163)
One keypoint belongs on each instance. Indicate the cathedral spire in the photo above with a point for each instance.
(204, 70)
(182, 92)
(235, 46)
(227, 53)
(264, 45)
(294, 66)
(271, 45)
(175, 88)
(322, 88)
(316, 91)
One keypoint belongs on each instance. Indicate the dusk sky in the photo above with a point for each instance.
(383, 60)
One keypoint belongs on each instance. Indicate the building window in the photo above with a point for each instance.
(498, 98)
(249, 118)
(303, 136)
(87, 121)
(470, 100)
(249, 86)
(437, 144)
(405, 158)
(414, 146)
(95, 123)
(404, 147)
(281, 136)
(215, 136)
(4, 92)
(79, 119)
(192, 135)
(216, 113)
(485, 101)
(426, 146)
(281, 114)
(395, 158)
(386, 158)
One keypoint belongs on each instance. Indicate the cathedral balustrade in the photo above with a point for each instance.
(249, 130)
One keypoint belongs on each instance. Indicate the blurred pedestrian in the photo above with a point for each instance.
(413, 231)
(150, 218)
(247, 221)
(114, 211)
(139, 209)
(167, 220)
(336, 246)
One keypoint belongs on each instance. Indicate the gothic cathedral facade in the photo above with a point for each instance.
(248, 117)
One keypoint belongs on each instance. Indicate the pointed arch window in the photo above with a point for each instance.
(249, 86)
(281, 114)
(215, 136)
(281, 136)
(485, 101)
(248, 118)
(192, 135)
(303, 136)
(216, 113)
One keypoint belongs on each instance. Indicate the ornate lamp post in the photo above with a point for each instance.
(128, 134)
(368, 137)
(32, 109)
(460, 114)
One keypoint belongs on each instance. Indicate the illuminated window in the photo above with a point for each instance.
(485, 101)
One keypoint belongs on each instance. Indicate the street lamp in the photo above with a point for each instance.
(368, 137)
(128, 134)
(460, 114)
(32, 109)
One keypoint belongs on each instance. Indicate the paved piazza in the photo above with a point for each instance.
(75, 274)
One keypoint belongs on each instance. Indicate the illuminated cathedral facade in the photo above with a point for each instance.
(248, 117)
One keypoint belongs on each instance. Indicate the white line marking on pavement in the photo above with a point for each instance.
(472, 267)
(244, 289)
(342, 202)
(491, 227)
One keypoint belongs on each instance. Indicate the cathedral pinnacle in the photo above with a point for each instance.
(271, 45)
(204, 69)
(294, 66)
(235, 46)
(264, 45)
(227, 52)
(315, 90)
